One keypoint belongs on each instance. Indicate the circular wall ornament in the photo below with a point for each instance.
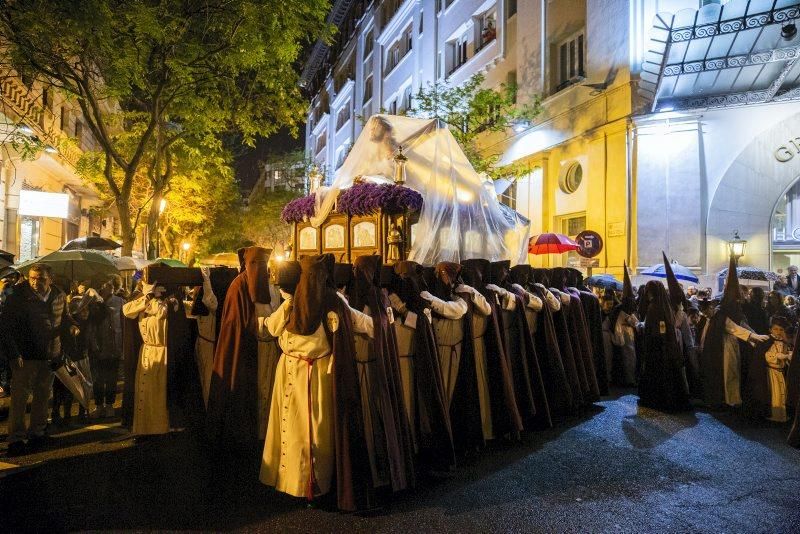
(571, 177)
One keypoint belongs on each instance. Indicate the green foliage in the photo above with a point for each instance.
(470, 111)
(258, 223)
(147, 75)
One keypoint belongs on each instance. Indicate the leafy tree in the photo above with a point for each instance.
(471, 111)
(148, 75)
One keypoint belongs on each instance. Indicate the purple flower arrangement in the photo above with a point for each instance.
(366, 197)
(298, 209)
(360, 199)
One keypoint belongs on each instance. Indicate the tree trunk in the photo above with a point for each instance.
(153, 217)
(128, 232)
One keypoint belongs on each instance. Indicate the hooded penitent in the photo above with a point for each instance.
(712, 365)
(662, 384)
(221, 279)
(579, 330)
(563, 340)
(314, 298)
(342, 275)
(232, 421)
(502, 403)
(545, 341)
(519, 348)
(380, 378)
(677, 298)
(593, 317)
(457, 359)
(288, 276)
(432, 419)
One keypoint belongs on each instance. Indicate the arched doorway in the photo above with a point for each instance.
(785, 230)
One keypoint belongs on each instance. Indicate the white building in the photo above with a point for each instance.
(667, 124)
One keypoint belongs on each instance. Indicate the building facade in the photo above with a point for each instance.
(43, 201)
(666, 124)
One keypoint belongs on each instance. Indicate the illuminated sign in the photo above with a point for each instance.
(41, 204)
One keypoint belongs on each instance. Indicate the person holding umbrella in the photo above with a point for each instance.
(35, 319)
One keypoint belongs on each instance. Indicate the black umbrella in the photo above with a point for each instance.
(6, 258)
(91, 243)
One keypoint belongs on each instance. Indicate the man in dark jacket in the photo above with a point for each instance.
(35, 320)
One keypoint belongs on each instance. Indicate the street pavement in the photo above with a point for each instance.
(619, 468)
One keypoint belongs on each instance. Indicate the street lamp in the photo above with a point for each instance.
(737, 245)
(186, 246)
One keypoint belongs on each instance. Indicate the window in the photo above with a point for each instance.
(487, 28)
(511, 82)
(407, 98)
(393, 57)
(409, 40)
(421, 21)
(571, 226)
(341, 155)
(28, 237)
(321, 141)
(368, 89)
(47, 99)
(511, 10)
(458, 53)
(64, 119)
(343, 116)
(392, 107)
(368, 44)
(570, 177)
(509, 196)
(570, 61)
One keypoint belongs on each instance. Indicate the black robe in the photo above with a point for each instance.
(564, 339)
(559, 391)
(662, 384)
(570, 311)
(465, 412)
(756, 393)
(184, 391)
(594, 323)
(584, 342)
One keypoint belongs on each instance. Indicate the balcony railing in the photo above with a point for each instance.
(41, 120)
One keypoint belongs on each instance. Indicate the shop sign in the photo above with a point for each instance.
(42, 204)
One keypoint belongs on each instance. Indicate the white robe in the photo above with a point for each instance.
(268, 355)
(150, 415)
(300, 432)
(777, 356)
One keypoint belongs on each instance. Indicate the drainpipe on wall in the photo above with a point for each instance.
(630, 145)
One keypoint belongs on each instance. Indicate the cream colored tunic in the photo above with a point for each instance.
(268, 355)
(150, 415)
(405, 324)
(206, 338)
(299, 451)
(777, 356)
(480, 324)
(449, 332)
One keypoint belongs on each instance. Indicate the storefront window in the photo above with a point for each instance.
(28, 237)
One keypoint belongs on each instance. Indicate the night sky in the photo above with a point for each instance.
(246, 159)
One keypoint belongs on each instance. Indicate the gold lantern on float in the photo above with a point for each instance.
(400, 161)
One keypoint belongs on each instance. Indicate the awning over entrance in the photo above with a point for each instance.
(744, 52)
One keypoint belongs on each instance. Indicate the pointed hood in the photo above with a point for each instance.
(521, 274)
(314, 295)
(257, 273)
(676, 294)
(731, 298)
(628, 300)
(475, 272)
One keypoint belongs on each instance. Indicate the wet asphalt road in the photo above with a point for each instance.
(618, 469)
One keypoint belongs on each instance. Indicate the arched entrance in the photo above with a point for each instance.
(753, 189)
(785, 230)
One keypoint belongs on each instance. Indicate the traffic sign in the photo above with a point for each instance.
(590, 243)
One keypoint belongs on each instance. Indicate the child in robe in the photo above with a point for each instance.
(778, 356)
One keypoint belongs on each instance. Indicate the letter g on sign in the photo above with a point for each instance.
(783, 154)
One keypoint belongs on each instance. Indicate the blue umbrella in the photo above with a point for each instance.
(681, 272)
(604, 281)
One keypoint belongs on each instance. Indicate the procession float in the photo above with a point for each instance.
(405, 191)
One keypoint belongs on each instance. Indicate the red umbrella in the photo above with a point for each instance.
(551, 244)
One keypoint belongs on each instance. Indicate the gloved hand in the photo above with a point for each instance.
(206, 272)
(761, 338)
(497, 289)
(285, 295)
(427, 296)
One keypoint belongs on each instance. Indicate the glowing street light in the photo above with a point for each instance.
(162, 206)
